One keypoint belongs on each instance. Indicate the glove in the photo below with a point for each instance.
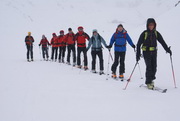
(39, 44)
(138, 57)
(110, 46)
(169, 51)
(134, 46)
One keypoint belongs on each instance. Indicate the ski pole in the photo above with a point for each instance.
(40, 53)
(110, 54)
(131, 76)
(173, 71)
(138, 65)
(108, 67)
(140, 71)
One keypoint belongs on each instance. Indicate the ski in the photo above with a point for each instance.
(155, 88)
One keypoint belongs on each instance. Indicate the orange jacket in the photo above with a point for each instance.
(61, 41)
(81, 37)
(70, 39)
(54, 42)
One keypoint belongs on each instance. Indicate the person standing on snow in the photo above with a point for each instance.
(54, 43)
(96, 50)
(81, 38)
(44, 42)
(148, 40)
(120, 37)
(70, 39)
(29, 45)
(62, 46)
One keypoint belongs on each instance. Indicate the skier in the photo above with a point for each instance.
(54, 43)
(81, 38)
(120, 37)
(62, 46)
(70, 39)
(148, 40)
(96, 50)
(44, 42)
(29, 45)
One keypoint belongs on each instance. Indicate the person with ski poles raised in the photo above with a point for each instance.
(54, 44)
(81, 37)
(148, 43)
(70, 40)
(44, 43)
(96, 42)
(29, 45)
(119, 39)
(62, 46)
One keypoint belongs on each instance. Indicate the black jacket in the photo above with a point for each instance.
(151, 40)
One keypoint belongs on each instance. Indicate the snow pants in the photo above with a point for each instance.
(29, 51)
(121, 56)
(101, 61)
(54, 52)
(79, 50)
(151, 65)
(71, 48)
(62, 51)
(45, 52)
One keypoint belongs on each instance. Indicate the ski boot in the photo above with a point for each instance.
(150, 86)
(68, 63)
(85, 68)
(74, 64)
(114, 76)
(93, 71)
(121, 76)
(32, 59)
(79, 66)
(101, 72)
(28, 60)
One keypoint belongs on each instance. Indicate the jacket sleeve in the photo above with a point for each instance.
(90, 43)
(112, 40)
(139, 43)
(32, 39)
(103, 41)
(161, 41)
(128, 38)
(87, 36)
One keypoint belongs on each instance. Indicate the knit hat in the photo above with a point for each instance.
(61, 31)
(120, 25)
(29, 33)
(80, 27)
(94, 30)
(70, 29)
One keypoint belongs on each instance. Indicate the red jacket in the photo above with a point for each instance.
(81, 37)
(54, 42)
(44, 42)
(29, 40)
(70, 39)
(61, 41)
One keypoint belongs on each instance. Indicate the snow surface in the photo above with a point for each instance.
(49, 91)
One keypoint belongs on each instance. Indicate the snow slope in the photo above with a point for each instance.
(44, 91)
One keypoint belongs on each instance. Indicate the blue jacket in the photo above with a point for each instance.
(119, 40)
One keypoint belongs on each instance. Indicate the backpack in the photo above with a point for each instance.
(124, 34)
(146, 34)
